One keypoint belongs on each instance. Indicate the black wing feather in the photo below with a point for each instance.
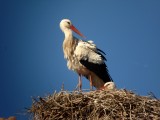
(100, 52)
(99, 69)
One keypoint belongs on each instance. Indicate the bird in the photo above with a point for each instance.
(108, 86)
(84, 57)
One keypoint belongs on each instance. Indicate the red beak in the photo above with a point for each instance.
(76, 31)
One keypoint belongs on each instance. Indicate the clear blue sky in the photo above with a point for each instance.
(31, 56)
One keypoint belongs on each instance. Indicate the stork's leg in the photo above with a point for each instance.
(79, 85)
(80, 82)
(91, 84)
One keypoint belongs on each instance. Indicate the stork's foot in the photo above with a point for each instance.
(77, 88)
(91, 88)
(79, 85)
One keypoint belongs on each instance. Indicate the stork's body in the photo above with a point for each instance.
(84, 57)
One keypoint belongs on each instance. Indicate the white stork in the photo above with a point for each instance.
(84, 57)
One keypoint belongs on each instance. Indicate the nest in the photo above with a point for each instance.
(95, 105)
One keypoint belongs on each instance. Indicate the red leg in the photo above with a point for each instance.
(80, 82)
(91, 84)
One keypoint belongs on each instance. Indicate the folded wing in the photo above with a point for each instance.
(93, 59)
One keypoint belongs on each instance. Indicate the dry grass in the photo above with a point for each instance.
(95, 105)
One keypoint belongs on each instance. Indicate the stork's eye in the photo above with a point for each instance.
(69, 23)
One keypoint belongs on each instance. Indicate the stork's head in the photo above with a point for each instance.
(109, 86)
(66, 25)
